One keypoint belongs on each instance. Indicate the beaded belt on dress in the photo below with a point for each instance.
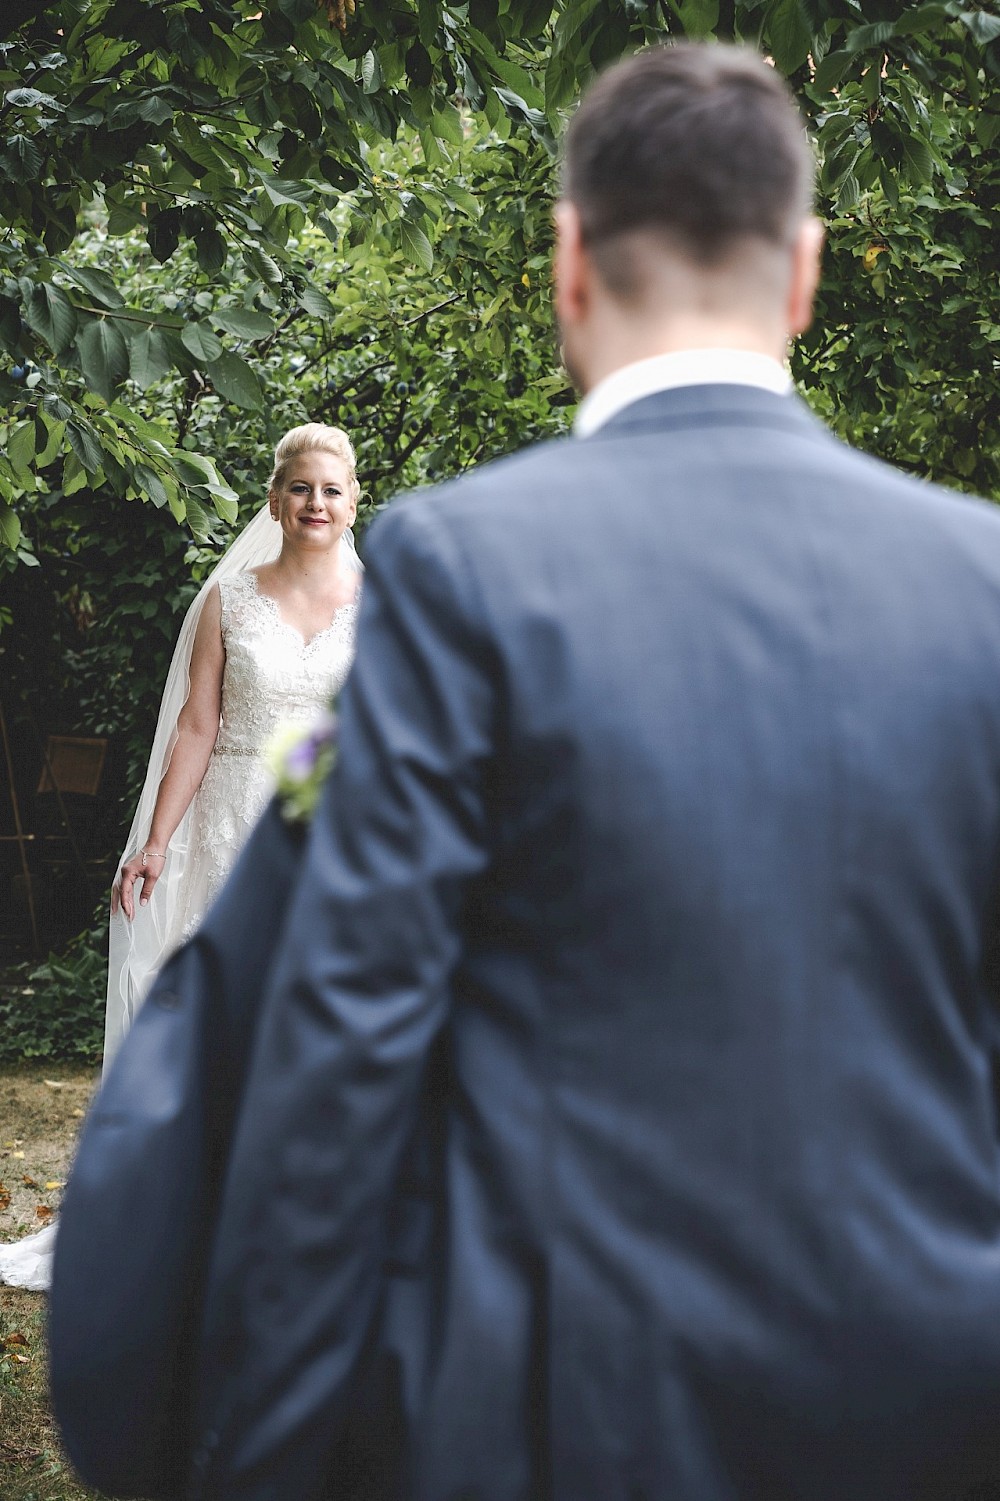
(237, 750)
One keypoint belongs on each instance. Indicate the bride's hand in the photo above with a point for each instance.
(144, 867)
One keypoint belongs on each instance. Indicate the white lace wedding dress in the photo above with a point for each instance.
(272, 677)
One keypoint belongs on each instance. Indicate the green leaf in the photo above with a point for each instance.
(923, 18)
(790, 38)
(560, 82)
(446, 123)
(198, 518)
(280, 190)
(74, 475)
(99, 284)
(489, 312)
(849, 193)
(146, 479)
(24, 159)
(56, 409)
(225, 501)
(21, 450)
(429, 18)
(982, 27)
(264, 266)
(699, 18)
(416, 244)
(82, 114)
(210, 248)
(83, 441)
(573, 14)
(316, 303)
(149, 358)
(371, 73)
(889, 185)
(918, 156)
(832, 70)
(466, 201)
(33, 99)
(520, 81)
(987, 128)
(10, 527)
(870, 38)
(244, 323)
(199, 340)
(51, 314)
(234, 379)
(325, 223)
(194, 469)
(155, 110)
(148, 434)
(103, 356)
(419, 68)
(53, 442)
(520, 109)
(163, 230)
(836, 163)
(412, 206)
(123, 217)
(535, 17)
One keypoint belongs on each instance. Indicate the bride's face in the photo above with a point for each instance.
(314, 501)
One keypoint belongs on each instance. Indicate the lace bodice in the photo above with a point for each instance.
(272, 676)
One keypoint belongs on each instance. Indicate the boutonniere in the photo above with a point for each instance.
(301, 758)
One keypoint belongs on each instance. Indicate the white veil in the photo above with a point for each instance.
(138, 948)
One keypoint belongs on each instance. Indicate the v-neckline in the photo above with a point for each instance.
(287, 626)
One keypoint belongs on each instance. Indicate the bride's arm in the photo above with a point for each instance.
(197, 732)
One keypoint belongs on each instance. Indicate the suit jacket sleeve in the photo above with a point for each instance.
(136, 1221)
(361, 991)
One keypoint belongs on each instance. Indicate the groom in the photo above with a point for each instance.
(622, 1125)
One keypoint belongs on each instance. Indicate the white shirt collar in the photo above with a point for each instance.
(687, 367)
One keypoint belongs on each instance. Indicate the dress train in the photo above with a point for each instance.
(28, 1263)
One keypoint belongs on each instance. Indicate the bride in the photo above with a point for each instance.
(268, 641)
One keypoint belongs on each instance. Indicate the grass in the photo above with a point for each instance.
(32, 1465)
(40, 1112)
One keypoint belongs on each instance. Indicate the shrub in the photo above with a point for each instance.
(55, 1010)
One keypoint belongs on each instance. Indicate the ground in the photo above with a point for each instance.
(40, 1113)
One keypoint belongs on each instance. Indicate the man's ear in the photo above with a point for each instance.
(570, 266)
(806, 261)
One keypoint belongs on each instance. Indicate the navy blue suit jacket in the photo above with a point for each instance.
(622, 1125)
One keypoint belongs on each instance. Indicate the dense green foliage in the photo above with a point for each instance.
(904, 354)
(223, 130)
(55, 1010)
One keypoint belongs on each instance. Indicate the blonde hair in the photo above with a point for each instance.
(314, 437)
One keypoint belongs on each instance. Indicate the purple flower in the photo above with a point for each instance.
(301, 759)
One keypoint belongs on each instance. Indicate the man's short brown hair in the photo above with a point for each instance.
(701, 146)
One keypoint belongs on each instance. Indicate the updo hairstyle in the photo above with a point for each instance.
(314, 437)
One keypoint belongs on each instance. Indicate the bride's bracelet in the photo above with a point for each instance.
(152, 855)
